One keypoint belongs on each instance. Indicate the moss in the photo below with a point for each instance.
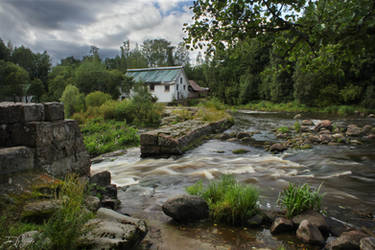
(240, 151)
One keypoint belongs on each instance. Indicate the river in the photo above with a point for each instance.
(346, 172)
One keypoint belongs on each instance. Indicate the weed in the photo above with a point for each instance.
(297, 127)
(283, 130)
(228, 201)
(297, 199)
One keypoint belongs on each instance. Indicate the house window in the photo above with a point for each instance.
(176, 86)
(152, 87)
(181, 80)
(166, 88)
(184, 87)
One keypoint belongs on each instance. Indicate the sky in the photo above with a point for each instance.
(69, 27)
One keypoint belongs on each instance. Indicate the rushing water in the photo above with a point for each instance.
(347, 175)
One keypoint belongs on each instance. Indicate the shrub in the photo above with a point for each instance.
(96, 99)
(297, 199)
(64, 228)
(73, 100)
(228, 201)
(213, 103)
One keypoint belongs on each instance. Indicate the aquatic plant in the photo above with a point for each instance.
(283, 129)
(297, 127)
(229, 201)
(297, 199)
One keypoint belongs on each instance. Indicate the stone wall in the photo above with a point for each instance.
(176, 139)
(36, 137)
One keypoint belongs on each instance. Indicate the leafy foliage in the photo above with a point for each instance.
(73, 100)
(228, 201)
(297, 199)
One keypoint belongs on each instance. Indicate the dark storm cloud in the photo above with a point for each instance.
(50, 14)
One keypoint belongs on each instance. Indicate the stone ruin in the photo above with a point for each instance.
(35, 137)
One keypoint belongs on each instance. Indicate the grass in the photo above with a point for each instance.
(101, 136)
(283, 130)
(229, 201)
(297, 199)
(62, 230)
(295, 107)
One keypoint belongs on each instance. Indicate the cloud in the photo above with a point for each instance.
(69, 27)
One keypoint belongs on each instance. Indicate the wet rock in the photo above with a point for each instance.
(256, 220)
(282, 225)
(305, 129)
(232, 140)
(247, 140)
(92, 203)
(315, 219)
(366, 129)
(371, 116)
(336, 227)
(240, 151)
(314, 138)
(355, 142)
(278, 147)
(370, 137)
(325, 138)
(185, 208)
(112, 230)
(353, 130)
(109, 203)
(347, 241)
(324, 132)
(102, 179)
(338, 137)
(307, 123)
(325, 124)
(367, 243)
(223, 136)
(309, 233)
(297, 116)
(241, 135)
(37, 211)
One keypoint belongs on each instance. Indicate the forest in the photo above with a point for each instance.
(313, 53)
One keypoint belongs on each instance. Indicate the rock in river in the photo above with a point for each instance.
(185, 208)
(309, 233)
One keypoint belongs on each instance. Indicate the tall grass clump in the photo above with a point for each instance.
(63, 229)
(297, 199)
(101, 136)
(229, 201)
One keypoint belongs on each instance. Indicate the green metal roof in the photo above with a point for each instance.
(155, 75)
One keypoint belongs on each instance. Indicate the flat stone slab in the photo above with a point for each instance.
(18, 112)
(15, 159)
(176, 139)
(53, 111)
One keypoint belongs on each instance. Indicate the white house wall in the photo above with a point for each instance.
(182, 91)
(161, 94)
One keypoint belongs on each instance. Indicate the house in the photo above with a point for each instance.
(196, 91)
(165, 83)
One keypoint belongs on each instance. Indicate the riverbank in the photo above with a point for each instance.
(346, 172)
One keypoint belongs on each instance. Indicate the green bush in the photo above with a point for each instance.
(229, 202)
(96, 99)
(102, 136)
(73, 100)
(297, 199)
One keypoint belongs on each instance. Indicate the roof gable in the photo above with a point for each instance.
(155, 75)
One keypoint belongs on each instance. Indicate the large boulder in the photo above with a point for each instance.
(347, 241)
(282, 225)
(186, 208)
(37, 211)
(278, 147)
(102, 179)
(315, 219)
(112, 230)
(367, 243)
(53, 111)
(309, 233)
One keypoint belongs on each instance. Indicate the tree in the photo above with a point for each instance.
(73, 100)
(58, 79)
(158, 52)
(4, 51)
(36, 89)
(181, 55)
(13, 80)
(96, 98)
